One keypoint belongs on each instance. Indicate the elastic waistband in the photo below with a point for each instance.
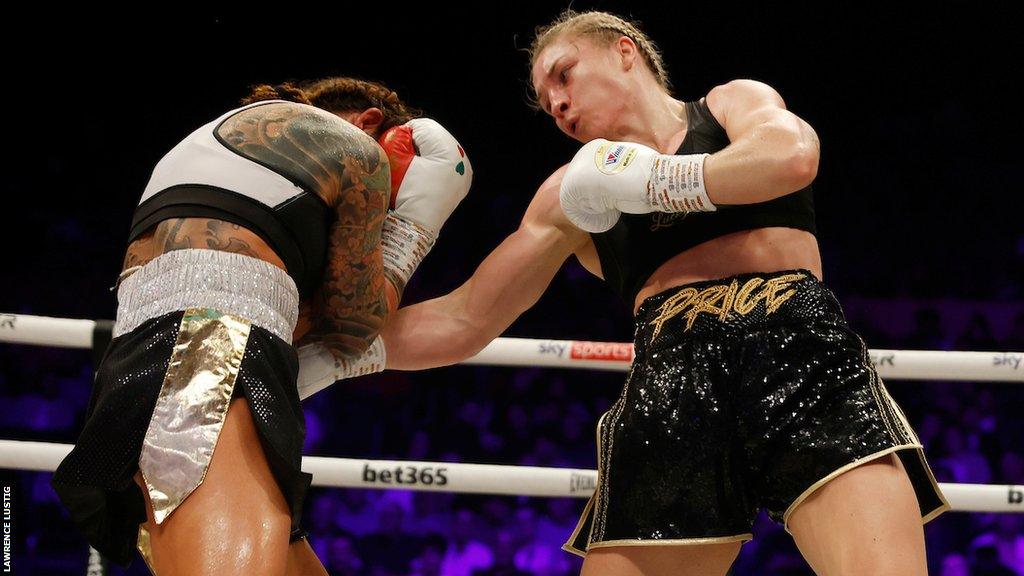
(231, 283)
(735, 305)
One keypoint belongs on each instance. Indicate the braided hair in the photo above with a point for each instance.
(604, 28)
(340, 94)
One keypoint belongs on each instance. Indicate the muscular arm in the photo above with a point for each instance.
(772, 152)
(510, 280)
(352, 302)
(350, 172)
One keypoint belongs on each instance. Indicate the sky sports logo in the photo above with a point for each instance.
(614, 351)
(1011, 361)
(880, 360)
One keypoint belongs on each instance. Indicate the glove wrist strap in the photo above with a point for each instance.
(676, 184)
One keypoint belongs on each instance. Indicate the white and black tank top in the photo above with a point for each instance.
(205, 176)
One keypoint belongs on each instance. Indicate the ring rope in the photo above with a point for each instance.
(482, 478)
(894, 364)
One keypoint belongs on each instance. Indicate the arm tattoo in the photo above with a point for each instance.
(349, 171)
(353, 293)
(353, 296)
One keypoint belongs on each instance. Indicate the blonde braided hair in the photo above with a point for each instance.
(605, 28)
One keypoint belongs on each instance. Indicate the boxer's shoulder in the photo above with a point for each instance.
(546, 210)
(740, 94)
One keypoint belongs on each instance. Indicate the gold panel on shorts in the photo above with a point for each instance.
(145, 548)
(191, 407)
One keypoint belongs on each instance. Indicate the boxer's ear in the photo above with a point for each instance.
(369, 121)
(628, 52)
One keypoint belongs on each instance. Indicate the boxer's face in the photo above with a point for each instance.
(584, 86)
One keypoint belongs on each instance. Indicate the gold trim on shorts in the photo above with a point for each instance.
(741, 538)
(746, 537)
(838, 471)
(593, 498)
(920, 456)
(191, 407)
(145, 547)
(903, 436)
(568, 547)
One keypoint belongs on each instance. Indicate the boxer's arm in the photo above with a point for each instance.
(510, 280)
(308, 315)
(350, 172)
(353, 302)
(772, 152)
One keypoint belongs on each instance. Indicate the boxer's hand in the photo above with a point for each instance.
(607, 178)
(430, 175)
(318, 368)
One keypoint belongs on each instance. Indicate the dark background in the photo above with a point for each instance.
(917, 111)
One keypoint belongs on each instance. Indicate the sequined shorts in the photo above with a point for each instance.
(186, 342)
(746, 393)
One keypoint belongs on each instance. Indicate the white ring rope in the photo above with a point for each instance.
(481, 478)
(894, 364)
(531, 480)
(45, 331)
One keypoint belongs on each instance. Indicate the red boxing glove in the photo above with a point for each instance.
(398, 144)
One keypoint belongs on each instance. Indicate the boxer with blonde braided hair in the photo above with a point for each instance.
(748, 390)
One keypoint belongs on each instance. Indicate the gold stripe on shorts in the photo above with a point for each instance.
(191, 407)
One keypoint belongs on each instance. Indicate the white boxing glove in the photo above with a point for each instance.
(607, 178)
(430, 175)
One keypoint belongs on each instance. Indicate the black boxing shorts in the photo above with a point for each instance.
(746, 393)
(195, 329)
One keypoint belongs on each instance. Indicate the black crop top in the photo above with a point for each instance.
(639, 243)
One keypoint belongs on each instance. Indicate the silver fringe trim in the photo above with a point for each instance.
(231, 283)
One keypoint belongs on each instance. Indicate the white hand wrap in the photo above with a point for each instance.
(318, 368)
(404, 244)
(607, 178)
